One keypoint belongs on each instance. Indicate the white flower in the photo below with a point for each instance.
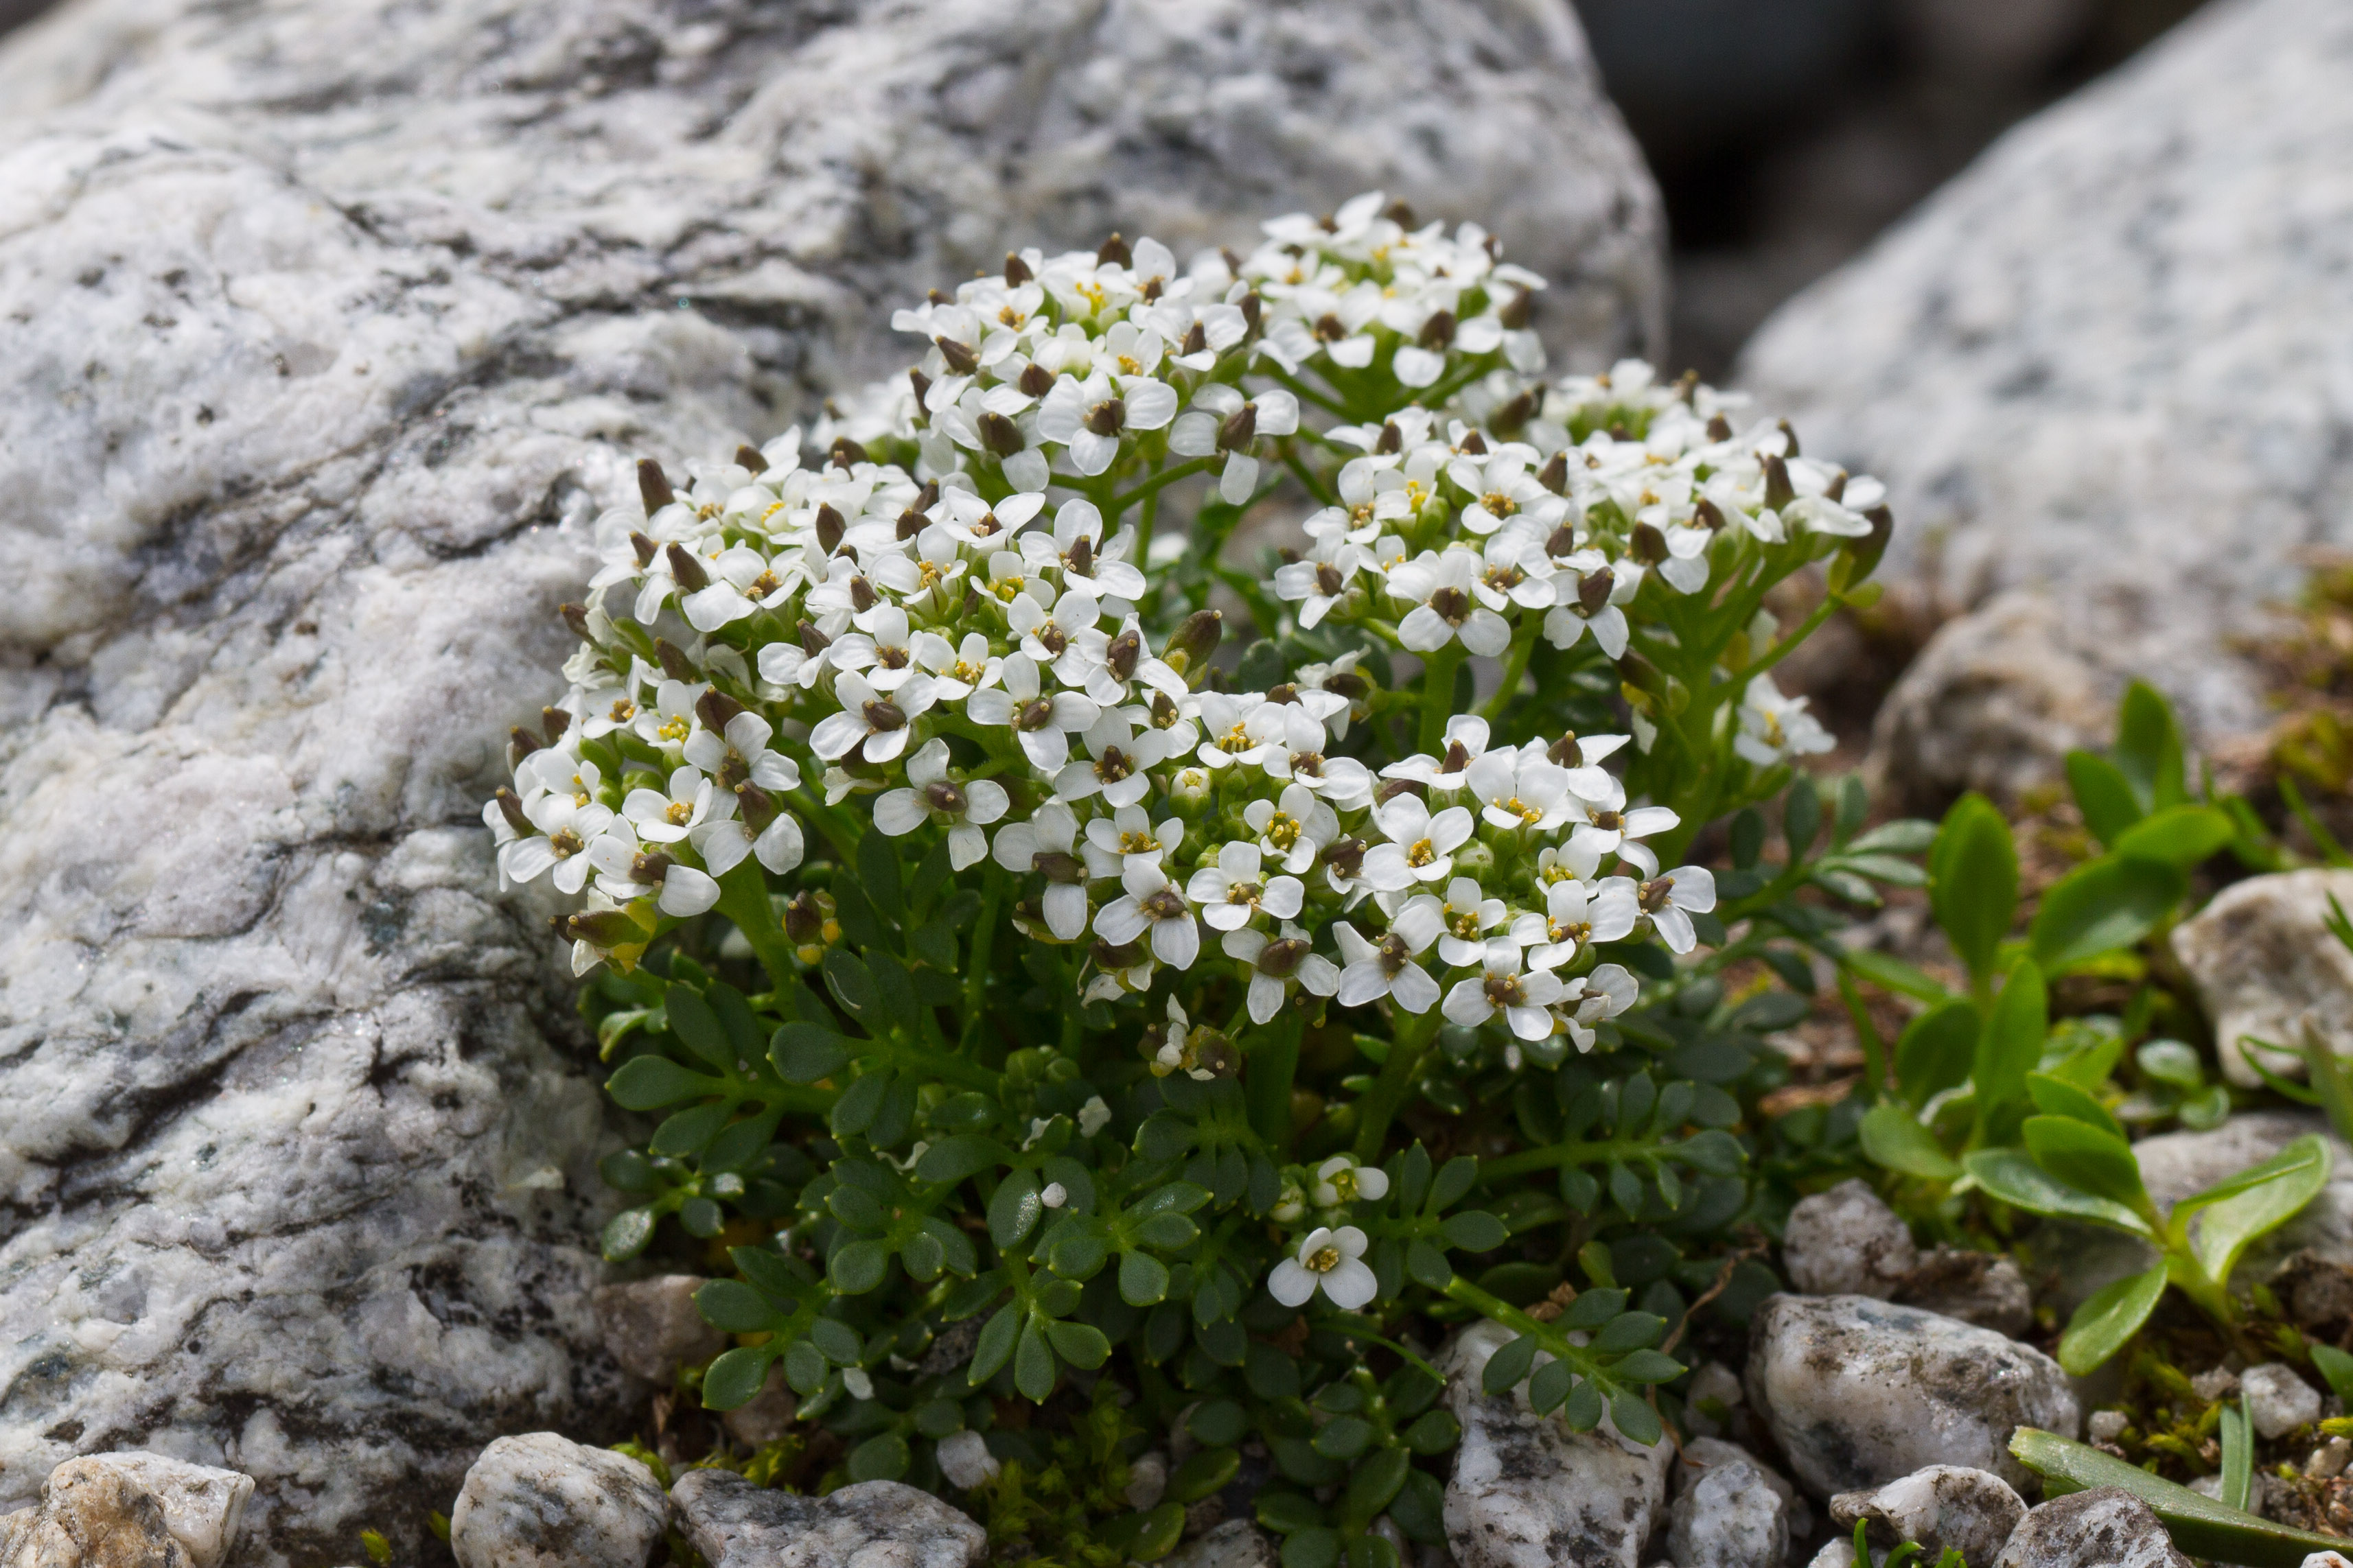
(1667, 899)
(1341, 1180)
(932, 794)
(957, 669)
(1386, 968)
(1232, 891)
(882, 650)
(1153, 903)
(1129, 839)
(1121, 757)
(1468, 916)
(741, 752)
(1502, 988)
(724, 839)
(1042, 723)
(1088, 416)
(1466, 742)
(1058, 637)
(1521, 792)
(1609, 828)
(1332, 1259)
(1221, 420)
(1094, 1117)
(625, 872)
(1294, 828)
(881, 725)
(1276, 963)
(567, 825)
(1321, 579)
(1774, 727)
(1421, 847)
(1439, 586)
(1574, 916)
(661, 819)
(1045, 844)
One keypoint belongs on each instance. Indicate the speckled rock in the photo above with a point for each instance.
(2266, 966)
(1847, 1242)
(1987, 1289)
(1527, 1492)
(95, 1513)
(2103, 368)
(545, 1501)
(1731, 1509)
(651, 1325)
(1858, 1391)
(1237, 1543)
(2107, 1526)
(325, 329)
(1944, 1506)
(2278, 1401)
(872, 1524)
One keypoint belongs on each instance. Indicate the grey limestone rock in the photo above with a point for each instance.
(325, 329)
(1527, 1492)
(2266, 966)
(872, 1524)
(1236, 1544)
(2106, 1525)
(544, 1501)
(1859, 1392)
(1847, 1242)
(2278, 1401)
(1987, 1289)
(1731, 1511)
(1942, 1507)
(651, 1325)
(2073, 388)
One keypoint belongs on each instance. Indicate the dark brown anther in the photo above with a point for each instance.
(923, 385)
(1392, 439)
(685, 569)
(1328, 580)
(1328, 223)
(1035, 714)
(942, 794)
(717, 710)
(1107, 417)
(1081, 558)
(1474, 444)
(1563, 752)
(606, 929)
(1452, 604)
(1016, 272)
(911, 524)
(646, 549)
(1345, 856)
(998, 434)
(940, 297)
(1234, 433)
(1779, 491)
(1708, 515)
(653, 485)
(553, 722)
(1439, 330)
(1457, 759)
(1282, 958)
(758, 807)
(1518, 310)
(861, 594)
(1053, 639)
(650, 867)
(1514, 413)
(1649, 546)
(674, 662)
(1593, 593)
(805, 918)
(511, 809)
(1618, 431)
(812, 641)
(1790, 432)
(1165, 904)
(1554, 475)
(847, 453)
(1057, 867)
(1120, 657)
(1347, 683)
(748, 456)
(1233, 263)
(1719, 429)
(1115, 252)
(1654, 895)
(1197, 338)
(883, 715)
(1164, 710)
(830, 529)
(1391, 788)
(961, 360)
(576, 617)
(1253, 308)
(1331, 327)
(1036, 380)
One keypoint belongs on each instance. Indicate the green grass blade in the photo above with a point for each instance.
(2199, 1525)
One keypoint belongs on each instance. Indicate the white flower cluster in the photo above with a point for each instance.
(959, 638)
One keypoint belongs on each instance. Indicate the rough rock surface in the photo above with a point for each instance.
(2109, 359)
(545, 1501)
(1731, 1511)
(324, 328)
(653, 1325)
(1527, 1492)
(1237, 1543)
(1943, 1506)
(97, 1513)
(873, 1524)
(1858, 1391)
(2278, 1401)
(203, 1507)
(2106, 1525)
(1847, 1242)
(1987, 1289)
(2265, 966)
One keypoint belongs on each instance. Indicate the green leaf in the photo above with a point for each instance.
(2110, 903)
(1507, 1368)
(860, 1266)
(1801, 816)
(1475, 1230)
(736, 1376)
(894, 993)
(1161, 1530)
(2237, 1453)
(693, 1022)
(878, 874)
(1973, 882)
(1895, 1141)
(1647, 1366)
(1083, 1345)
(995, 1346)
(2338, 1367)
(1906, 836)
(879, 1459)
(1436, 1431)
(733, 1307)
(2104, 1324)
(1317, 1547)
(2011, 1044)
(1344, 1437)
(1936, 1050)
(2232, 1213)
(2011, 1176)
(1142, 1279)
(2103, 795)
(2087, 1158)
(1033, 1364)
(1207, 1471)
(626, 1234)
(1635, 1418)
(2181, 835)
(1890, 972)
(1014, 1209)
(2057, 1097)
(966, 1154)
(649, 1082)
(2200, 1526)
(2148, 747)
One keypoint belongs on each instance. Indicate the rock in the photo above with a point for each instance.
(1148, 1479)
(1730, 1509)
(2318, 1294)
(872, 1524)
(651, 1326)
(767, 1415)
(203, 1507)
(1942, 1507)
(2105, 1426)
(2106, 1525)
(1527, 1492)
(2075, 393)
(1714, 1393)
(1987, 1289)
(2278, 1401)
(1846, 1242)
(1858, 1391)
(2266, 966)
(2328, 1461)
(2215, 1382)
(965, 1461)
(2329, 1560)
(96, 1512)
(545, 1501)
(325, 330)
(1237, 1543)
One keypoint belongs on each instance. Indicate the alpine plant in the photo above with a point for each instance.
(1015, 948)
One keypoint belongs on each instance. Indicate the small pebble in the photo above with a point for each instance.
(2107, 1426)
(2278, 1401)
(2329, 1459)
(2219, 1383)
(965, 1461)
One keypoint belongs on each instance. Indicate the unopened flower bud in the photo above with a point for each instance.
(1593, 593)
(1649, 546)
(1235, 433)
(847, 453)
(1016, 272)
(960, 358)
(1194, 640)
(646, 549)
(605, 928)
(1115, 252)
(1554, 475)
(1282, 958)
(998, 434)
(1108, 417)
(686, 570)
(830, 529)
(673, 660)
(1779, 491)
(511, 809)
(653, 485)
(717, 710)
(805, 918)
(1439, 330)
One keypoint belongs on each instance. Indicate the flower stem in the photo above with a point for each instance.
(1117, 506)
(1395, 1085)
(744, 899)
(1522, 651)
(1438, 694)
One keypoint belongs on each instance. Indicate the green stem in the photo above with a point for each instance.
(1555, 1154)
(1117, 505)
(744, 899)
(1517, 666)
(984, 944)
(1787, 644)
(1438, 694)
(1400, 1074)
